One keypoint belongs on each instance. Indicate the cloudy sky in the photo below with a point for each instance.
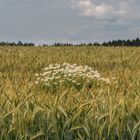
(49, 21)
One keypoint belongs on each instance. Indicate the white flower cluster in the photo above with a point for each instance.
(68, 73)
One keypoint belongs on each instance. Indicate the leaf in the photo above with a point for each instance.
(41, 133)
(103, 117)
(86, 130)
(75, 128)
(135, 129)
(63, 111)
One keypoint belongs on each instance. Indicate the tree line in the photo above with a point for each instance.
(133, 42)
(19, 43)
(129, 43)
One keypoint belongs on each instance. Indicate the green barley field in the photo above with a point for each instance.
(95, 111)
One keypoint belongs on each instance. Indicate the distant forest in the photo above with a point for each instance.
(129, 43)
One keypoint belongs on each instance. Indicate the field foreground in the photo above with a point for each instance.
(99, 111)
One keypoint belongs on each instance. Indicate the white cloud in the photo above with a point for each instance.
(88, 8)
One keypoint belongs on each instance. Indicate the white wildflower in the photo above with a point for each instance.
(61, 73)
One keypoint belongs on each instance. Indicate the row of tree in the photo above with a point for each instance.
(19, 43)
(129, 43)
(134, 42)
